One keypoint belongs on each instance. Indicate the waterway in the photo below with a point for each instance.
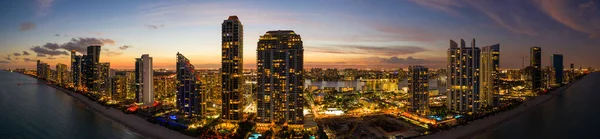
(571, 114)
(31, 109)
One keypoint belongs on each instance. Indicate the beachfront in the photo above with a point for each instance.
(130, 121)
(478, 127)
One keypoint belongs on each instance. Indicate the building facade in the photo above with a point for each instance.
(144, 77)
(280, 61)
(463, 77)
(232, 44)
(118, 89)
(535, 55)
(43, 70)
(92, 71)
(190, 98)
(104, 79)
(76, 69)
(62, 74)
(490, 80)
(557, 65)
(418, 89)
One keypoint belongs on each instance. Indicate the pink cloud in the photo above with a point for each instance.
(507, 14)
(447, 6)
(511, 18)
(43, 7)
(580, 17)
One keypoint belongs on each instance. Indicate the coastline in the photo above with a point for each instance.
(132, 122)
(478, 127)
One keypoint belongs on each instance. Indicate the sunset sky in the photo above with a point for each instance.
(336, 33)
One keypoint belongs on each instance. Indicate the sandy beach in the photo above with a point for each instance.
(478, 127)
(132, 122)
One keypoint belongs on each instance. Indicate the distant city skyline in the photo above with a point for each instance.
(356, 34)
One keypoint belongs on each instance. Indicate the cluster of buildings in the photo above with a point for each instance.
(473, 79)
(279, 79)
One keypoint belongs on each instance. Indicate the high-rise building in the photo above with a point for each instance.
(572, 67)
(61, 74)
(76, 69)
(280, 61)
(490, 81)
(104, 78)
(535, 56)
(92, 74)
(118, 89)
(130, 85)
(190, 99)
(139, 64)
(232, 44)
(165, 85)
(557, 65)
(123, 86)
(43, 70)
(144, 76)
(463, 77)
(418, 89)
(548, 77)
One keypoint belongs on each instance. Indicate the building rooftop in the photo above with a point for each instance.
(233, 17)
(280, 31)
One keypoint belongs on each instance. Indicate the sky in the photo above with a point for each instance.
(335, 33)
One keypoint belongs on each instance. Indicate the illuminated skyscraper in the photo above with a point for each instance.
(92, 74)
(61, 74)
(43, 70)
(123, 86)
(104, 78)
(490, 67)
(535, 56)
(463, 77)
(280, 61)
(557, 65)
(139, 64)
(118, 91)
(418, 89)
(190, 99)
(144, 77)
(76, 68)
(232, 43)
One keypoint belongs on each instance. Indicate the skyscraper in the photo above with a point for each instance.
(118, 89)
(557, 65)
(280, 61)
(144, 77)
(418, 89)
(490, 67)
(190, 99)
(76, 68)
(61, 74)
(104, 78)
(43, 70)
(139, 64)
(92, 73)
(536, 63)
(463, 77)
(232, 44)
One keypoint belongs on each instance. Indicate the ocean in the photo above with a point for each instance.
(30, 109)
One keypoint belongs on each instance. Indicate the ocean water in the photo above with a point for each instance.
(573, 115)
(34, 110)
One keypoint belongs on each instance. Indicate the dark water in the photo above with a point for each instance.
(574, 115)
(38, 111)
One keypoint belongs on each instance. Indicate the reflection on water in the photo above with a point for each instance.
(572, 115)
(38, 111)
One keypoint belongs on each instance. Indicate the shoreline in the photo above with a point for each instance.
(479, 127)
(130, 121)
